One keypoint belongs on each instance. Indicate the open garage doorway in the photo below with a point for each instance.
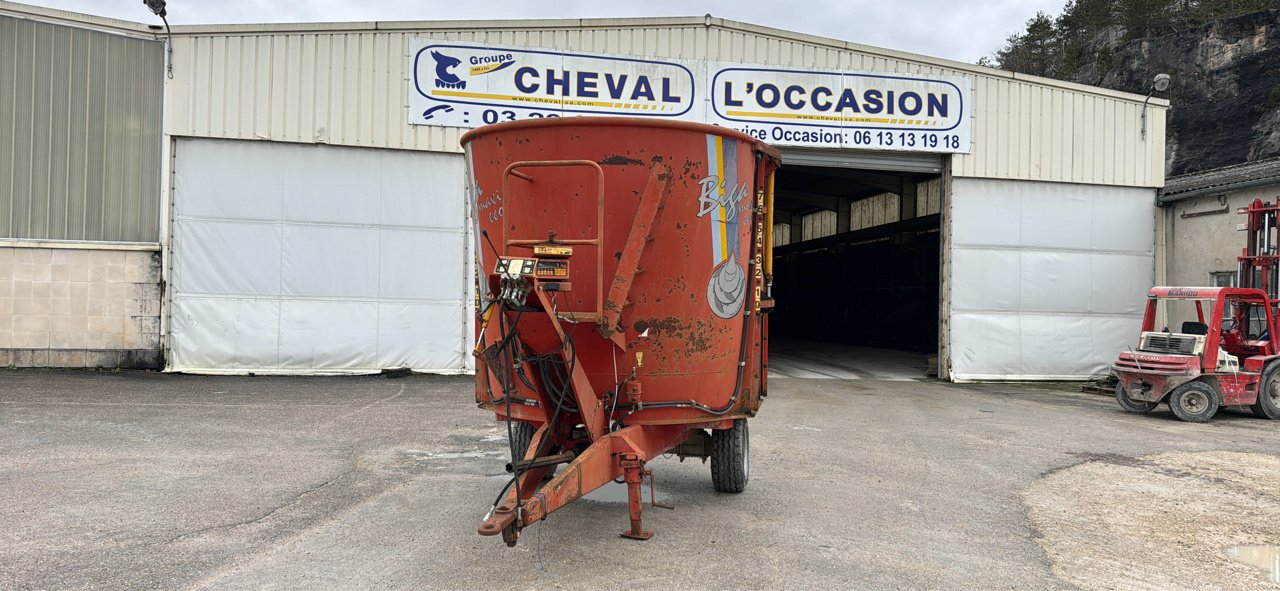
(856, 268)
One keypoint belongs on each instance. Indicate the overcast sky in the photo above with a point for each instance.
(958, 29)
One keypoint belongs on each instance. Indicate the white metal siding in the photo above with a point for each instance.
(314, 258)
(347, 84)
(1047, 280)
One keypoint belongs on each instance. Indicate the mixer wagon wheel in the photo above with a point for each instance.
(522, 435)
(1195, 402)
(731, 457)
(1268, 403)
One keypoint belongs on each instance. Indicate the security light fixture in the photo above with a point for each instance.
(158, 7)
(1158, 84)
(1161, 82)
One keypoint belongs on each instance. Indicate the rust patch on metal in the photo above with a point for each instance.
(619, 160)
(701, 337)
(697, 337)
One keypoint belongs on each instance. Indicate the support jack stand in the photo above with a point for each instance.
(633, 470)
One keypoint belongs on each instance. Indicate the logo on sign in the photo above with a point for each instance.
(445, 78)
(487, 64)
(550, 82)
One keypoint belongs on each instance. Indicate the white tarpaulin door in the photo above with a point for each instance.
(1048, 280)
(311, 258)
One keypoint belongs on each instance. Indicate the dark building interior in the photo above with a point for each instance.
(867, 275)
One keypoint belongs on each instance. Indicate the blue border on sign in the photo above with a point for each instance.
(693, 86)
(712, 93)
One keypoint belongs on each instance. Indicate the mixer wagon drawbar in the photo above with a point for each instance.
(624, 279)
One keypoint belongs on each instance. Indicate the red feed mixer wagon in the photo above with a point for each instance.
(623, 288)
(1223, 352)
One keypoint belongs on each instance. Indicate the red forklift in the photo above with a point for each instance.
(1222, 353)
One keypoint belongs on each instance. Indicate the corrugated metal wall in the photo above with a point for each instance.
(348, 84)
(80, 117)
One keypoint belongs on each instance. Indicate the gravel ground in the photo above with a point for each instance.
(1163, 521)
(155, 481)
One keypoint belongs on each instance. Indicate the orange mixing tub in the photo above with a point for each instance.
(623, 293)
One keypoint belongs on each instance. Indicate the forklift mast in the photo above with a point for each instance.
(1259, 264)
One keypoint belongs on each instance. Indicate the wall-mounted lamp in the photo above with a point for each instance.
(1158, 84)
(158, 7)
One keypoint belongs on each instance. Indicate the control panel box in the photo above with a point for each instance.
(515, 267)
(551, 269)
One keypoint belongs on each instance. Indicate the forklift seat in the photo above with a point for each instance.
(1196, 328)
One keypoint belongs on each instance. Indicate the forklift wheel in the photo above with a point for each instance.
(1268, 403)
(1131, 405)
(731, 458)
(1194, 402)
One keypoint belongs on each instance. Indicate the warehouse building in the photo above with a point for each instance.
(292, 198)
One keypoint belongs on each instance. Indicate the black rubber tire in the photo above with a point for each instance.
(522, 435)
(1131, 405)
(1195, 402)
(731, 458)
(1268, 404)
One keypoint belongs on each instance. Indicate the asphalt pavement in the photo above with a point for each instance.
(124, 480)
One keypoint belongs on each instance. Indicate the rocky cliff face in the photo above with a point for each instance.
(1225, 95)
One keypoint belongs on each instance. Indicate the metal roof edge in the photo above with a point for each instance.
(1162, 200)
(438, 25)
(77, 19)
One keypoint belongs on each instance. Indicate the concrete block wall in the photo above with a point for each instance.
(62, 307)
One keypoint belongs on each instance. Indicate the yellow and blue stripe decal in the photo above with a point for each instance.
(721, 196)
(722, 164)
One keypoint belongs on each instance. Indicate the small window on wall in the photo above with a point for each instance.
(1222, 279)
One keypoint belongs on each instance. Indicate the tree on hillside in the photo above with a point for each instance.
(1033, 51)
(1079, 22)
(1057, 47)
(1140, 17)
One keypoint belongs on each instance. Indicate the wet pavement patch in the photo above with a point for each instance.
(1263, 556)
(617, 493)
